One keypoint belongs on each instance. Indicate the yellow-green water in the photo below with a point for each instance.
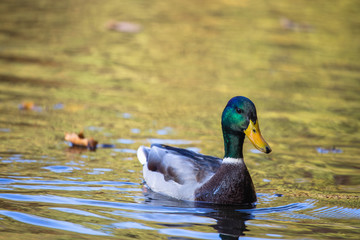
(299, 61)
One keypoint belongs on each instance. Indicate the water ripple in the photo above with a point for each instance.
(61, 182)
(170, 216)
(50, 223)
(336, 212)
(79, 212)
(166, 218)
(75, 188)
(52, 199)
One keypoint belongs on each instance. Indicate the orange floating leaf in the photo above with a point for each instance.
(81, 141)
(30, 106)
(27, 106)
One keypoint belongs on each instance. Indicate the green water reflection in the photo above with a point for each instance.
(298, 61)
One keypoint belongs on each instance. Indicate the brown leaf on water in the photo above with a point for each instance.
(80, 140)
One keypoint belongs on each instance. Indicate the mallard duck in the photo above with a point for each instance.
(186, 175)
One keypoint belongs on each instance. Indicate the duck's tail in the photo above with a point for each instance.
(142, 154)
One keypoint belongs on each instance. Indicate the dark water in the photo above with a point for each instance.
(131, 73)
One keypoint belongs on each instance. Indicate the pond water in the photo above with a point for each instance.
(131, 73)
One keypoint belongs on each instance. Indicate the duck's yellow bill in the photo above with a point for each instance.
(254, 134)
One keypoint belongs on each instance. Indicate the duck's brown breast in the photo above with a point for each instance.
(231, 184)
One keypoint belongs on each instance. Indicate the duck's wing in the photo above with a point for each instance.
(179, 165)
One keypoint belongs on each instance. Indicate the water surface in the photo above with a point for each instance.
(131, 73)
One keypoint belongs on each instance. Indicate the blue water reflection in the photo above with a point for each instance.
(50, 223)
(171, 216)
(102, 208)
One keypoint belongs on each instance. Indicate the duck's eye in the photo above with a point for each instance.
(239, 110)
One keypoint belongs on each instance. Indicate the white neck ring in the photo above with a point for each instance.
(229, 160)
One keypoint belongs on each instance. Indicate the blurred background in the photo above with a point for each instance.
(131, 73)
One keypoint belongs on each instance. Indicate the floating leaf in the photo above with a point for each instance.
(81, 141)
(29, 106)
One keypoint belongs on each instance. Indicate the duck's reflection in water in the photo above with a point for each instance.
(229, 220)
(230, 223)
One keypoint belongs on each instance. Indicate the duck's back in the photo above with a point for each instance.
(176, 172)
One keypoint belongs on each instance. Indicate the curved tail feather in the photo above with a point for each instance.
(142, 154)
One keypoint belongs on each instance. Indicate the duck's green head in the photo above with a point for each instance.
(239, 118)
